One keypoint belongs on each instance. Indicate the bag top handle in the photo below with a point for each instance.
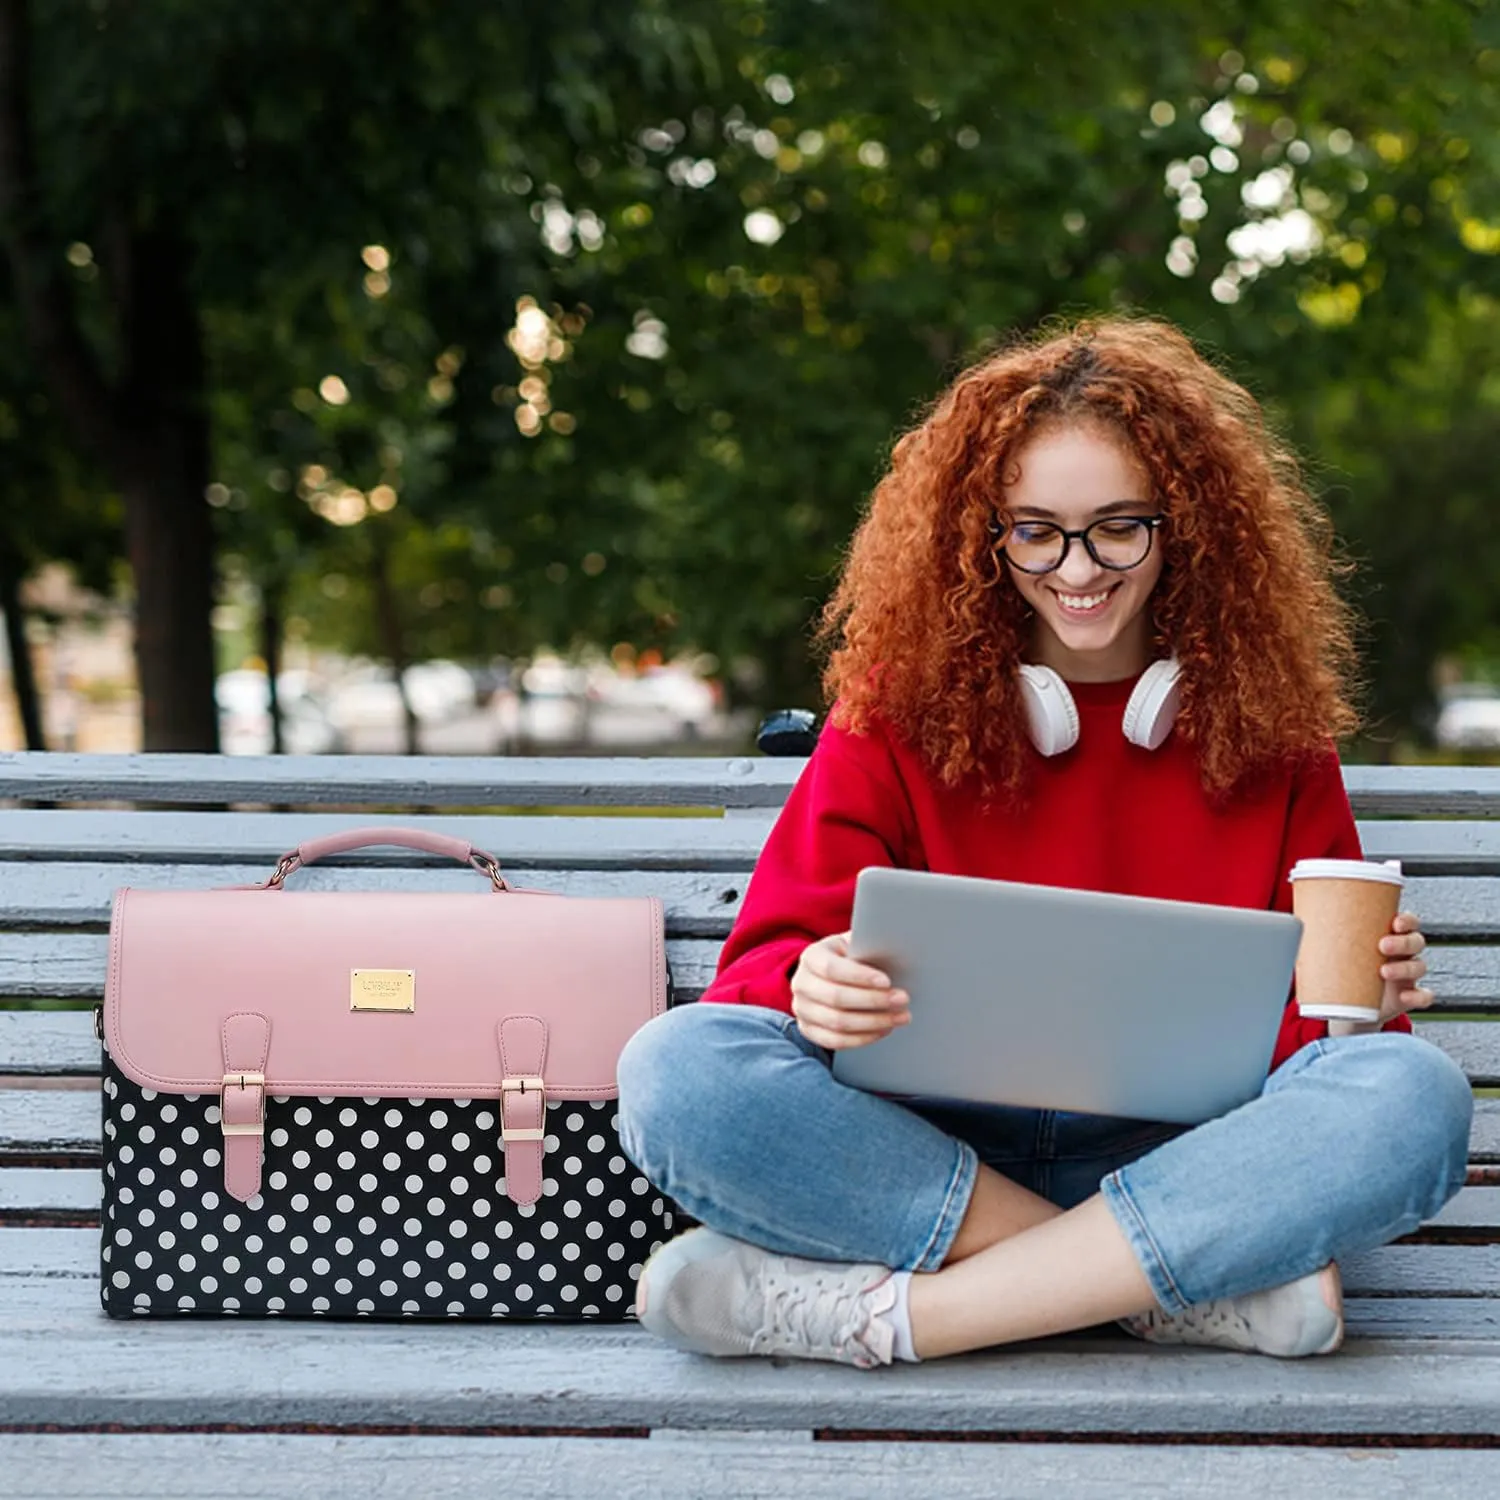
(404, 838)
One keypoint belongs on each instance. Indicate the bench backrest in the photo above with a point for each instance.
(684, 828)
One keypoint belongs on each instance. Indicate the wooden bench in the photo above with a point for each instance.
(96, 1407)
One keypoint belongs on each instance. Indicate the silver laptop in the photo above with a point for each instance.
(1073, 1000)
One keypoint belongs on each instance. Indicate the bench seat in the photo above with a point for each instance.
(292, 1408)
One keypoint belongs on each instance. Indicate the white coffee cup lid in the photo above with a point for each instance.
(1388, 872)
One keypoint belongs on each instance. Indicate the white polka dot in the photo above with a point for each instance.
(413, 1184)
(617, 1208)
(253, 1284)
(411, 1269)
(121, 1278)
(525, 1249)
(522, 1292)
(434, 1249)
(414, 1139)
(458, 1229)
(166, 1197)
(594, 1188)
(324, 1138)
(370, 1139)
(387, 1288)
(616, 1252)
(434, 1288)
(479, 1250)
(323, 1182)
(393, 1117)
(501, 1271)
(364, 1305)
(146, 1217)
(164, 1282)
(367, 1226)
(300, 1159)
(348, 1116)
(435, 1206)
(389, 1247)
(299, 1203)
(343, 1286)
(368, 1183)
(126, 1153)
(391, 1161)
(390, 1205)
(483, 1120)
(279, 1137)
(189, 1178)
(275, 1304)
(276, 1265)
(572, 1208)
(502, 1229)
(483, 1165)
(277, 1181)
(481, 1207)
(302, 1115)
(276, 1223)
(187, 1262)
(189, 1135)
(321, 1267)
(596, 1143)
(254, 1244)
(437, 1163)
(298, 1284)
(343, 1246)
(122, 1236)
(230, 1264)
(321, 1304)
(344, 1203)
(549, 1230)
(166, 1239)
(570, 1293)
(127, 1111)
(437, 1119)
(546, 1272)
(459, 1186)
(459, 1141)
(412, 1226)
(209, 1284)
(572, 1165)
(298, 1244)
(575, 1121)
(366, 1268)
(592, 1273)
(346, 1161)
(146, 1133)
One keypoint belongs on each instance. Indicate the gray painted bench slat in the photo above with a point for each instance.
(212, 838)
(425, 781)
(61, 1042)
(436, 781)
(237, 1466)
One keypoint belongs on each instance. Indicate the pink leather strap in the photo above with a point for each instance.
(523, 1104)
(246, 1041)
(402, 838)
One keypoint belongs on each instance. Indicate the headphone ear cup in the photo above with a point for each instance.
(1051, 714)
(1153, 705)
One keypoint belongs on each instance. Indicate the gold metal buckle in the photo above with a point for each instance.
(522, 1085)
(244, 1081)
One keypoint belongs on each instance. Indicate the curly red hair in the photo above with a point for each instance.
(927, 631)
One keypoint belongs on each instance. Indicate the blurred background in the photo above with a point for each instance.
(490, 377)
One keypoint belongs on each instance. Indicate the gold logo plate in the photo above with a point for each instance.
(382, 989)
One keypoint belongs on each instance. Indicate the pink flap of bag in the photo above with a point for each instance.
(260, 992)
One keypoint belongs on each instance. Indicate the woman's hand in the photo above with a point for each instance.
(840, 1002)
(1403, 968)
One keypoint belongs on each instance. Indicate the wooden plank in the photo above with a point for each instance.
(63, 965)
(47, 1042)
(61, 1362)
(1420, 1271)
(50, 1189)
(71, 965)
(1427, 848)
(1473, 1045)
(43, 1122)
(1424, 791)
(237, 1466)
(417, 781)
(218, 838)
(698, 904)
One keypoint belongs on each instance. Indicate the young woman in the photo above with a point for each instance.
(1093, 503)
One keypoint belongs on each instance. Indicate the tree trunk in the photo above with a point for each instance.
(22, 674)
(392, 631)
(149, 427)
(271, 610)
(170, 547)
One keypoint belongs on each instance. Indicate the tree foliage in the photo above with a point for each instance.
(518, 326)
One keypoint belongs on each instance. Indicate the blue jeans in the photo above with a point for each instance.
(730, 1110)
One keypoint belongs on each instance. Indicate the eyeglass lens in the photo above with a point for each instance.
(1117, 542)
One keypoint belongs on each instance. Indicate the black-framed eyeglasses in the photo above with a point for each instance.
(1118, 543)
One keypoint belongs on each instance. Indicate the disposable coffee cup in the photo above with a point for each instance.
(1346, 907)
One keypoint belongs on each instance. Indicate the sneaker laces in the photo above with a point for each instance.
(828, 1313)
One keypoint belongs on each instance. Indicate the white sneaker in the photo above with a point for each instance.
(1292, 1321)
(710, 1294)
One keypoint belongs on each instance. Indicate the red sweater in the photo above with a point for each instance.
(1105, 816)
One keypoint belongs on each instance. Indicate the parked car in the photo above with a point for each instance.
(1469, 718)
(244, 702)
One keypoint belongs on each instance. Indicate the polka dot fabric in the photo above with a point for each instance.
(381, 1208)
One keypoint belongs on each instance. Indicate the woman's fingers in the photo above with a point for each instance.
(830, 960)
(865, 1023)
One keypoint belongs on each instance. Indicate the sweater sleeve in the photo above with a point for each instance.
(847, 811)
(1320, 825)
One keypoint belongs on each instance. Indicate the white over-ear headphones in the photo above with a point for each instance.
(1052, 716)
